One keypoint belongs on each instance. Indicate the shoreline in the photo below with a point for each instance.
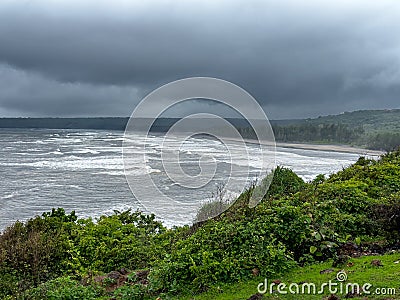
(331, 148)
(317, 147)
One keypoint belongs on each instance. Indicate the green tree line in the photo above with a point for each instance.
(335, 133)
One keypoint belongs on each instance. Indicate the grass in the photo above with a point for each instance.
(359, 270)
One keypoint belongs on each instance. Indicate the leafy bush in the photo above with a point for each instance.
(130, 292)
(221, 252)
(63, 288)
(36, 251)
(124, 239)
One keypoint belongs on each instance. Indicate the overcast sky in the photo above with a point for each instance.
(297, 58)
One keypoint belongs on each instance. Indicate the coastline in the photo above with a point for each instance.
(331, 148)
(318, 147)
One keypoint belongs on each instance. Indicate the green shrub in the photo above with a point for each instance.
(221, 252)
(63, 288)
(36, 251)
(117, 241)
(131, 292)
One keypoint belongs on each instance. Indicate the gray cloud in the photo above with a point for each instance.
(26, 93)
(298, 59)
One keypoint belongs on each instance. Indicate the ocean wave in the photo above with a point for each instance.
(85, 151)
(9, 196)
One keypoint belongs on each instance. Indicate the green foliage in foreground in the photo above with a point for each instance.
(63, 288)
(58, 256)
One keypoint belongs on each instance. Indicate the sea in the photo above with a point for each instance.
(83, 170)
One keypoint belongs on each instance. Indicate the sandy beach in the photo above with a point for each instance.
(335, 148)
(319, 147)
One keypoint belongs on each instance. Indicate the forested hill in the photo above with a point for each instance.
(374, 129)
(371, 120)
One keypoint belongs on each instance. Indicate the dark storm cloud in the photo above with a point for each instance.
(297, 58)
(26, 94)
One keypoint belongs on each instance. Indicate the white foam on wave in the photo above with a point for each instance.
(9, 196)
(85, 151)
(75, 163)
(112, 173)
(102, 149)
(139, 171)
(57, 152)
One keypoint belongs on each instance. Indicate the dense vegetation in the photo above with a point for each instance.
(329, 133)
(337, 134)
(372, 129)
(371, 120)
(129, 255)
